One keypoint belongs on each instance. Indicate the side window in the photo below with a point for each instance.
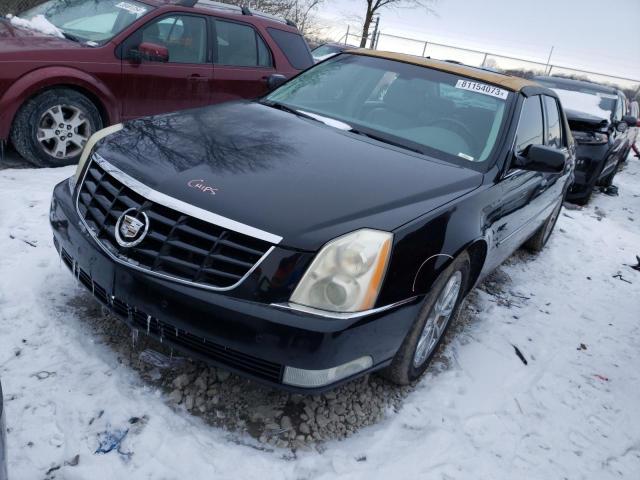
(294, 47)
(554, 127)
(240, 46)
(185, 36)
(530, 129)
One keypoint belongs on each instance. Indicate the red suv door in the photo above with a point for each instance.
(243, 61)
(184, 81)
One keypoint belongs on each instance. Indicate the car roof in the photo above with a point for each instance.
(508, 82)
(576, 83)
(226, 9)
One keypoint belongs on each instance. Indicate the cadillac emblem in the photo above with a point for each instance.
(131, 228)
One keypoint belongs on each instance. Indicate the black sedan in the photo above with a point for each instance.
(3, 440)
(327, 230)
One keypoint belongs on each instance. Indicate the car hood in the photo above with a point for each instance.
(16, 41)
(583, 121)
(284, 174)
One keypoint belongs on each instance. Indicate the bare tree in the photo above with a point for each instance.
(374, 7)
(300, 12)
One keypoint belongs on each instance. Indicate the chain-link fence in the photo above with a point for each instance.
(503, 63)
(16, 6)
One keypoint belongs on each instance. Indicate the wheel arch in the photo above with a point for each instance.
(49, 78)
(429, 270)
(477, 255)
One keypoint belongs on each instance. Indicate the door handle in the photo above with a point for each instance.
(197, 78)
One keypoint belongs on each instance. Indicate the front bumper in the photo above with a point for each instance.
(253, 339)
(593, 163)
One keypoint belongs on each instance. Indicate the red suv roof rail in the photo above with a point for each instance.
(244, 10)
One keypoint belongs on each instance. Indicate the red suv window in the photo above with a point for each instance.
(240, 45)
(294, 47)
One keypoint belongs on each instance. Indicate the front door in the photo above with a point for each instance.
(521, 188)
(243, 62)
(184, 81)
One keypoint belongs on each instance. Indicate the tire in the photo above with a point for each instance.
(582, 201)
(608, 180)
(539, 239)
(404, 369)
(36, 132)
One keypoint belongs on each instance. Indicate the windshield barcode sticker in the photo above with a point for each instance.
(482, 88)
(129, 7)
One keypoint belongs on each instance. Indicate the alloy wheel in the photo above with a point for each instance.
(438, 319)
(63, 131)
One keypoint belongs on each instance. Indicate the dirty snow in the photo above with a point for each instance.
(582, 102)
(570, 412)
(39, 23)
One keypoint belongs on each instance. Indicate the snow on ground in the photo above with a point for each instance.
(570, 412)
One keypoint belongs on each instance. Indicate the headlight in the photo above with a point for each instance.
(347, 273)
(88, 148)
(590, 138)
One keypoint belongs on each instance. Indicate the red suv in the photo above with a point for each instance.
(68, 68)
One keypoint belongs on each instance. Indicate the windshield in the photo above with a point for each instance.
(594, 103)
(90, 20)
(407, 105)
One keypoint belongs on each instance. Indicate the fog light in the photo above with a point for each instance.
(319, 378)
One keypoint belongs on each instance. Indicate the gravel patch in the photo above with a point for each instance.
(272, 418)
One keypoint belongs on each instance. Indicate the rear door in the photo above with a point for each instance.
(242, 61)
(185, 81)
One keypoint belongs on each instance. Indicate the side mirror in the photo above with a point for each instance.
(540, 158)
(151, 52)
(275, 80)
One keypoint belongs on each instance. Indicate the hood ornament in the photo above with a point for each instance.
(131, 228)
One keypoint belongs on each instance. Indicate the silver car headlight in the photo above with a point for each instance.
(347, 273)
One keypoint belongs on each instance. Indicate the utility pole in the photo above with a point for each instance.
(375, 33)
(546, 70)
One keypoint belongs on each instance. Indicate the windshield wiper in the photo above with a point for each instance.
(71, 37)
(386, 140)
(287, 108)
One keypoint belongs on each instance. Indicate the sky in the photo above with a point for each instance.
(584, 34)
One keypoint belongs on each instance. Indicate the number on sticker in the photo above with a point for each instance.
(482, 88)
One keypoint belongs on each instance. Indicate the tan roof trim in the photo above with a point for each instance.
(508, 82)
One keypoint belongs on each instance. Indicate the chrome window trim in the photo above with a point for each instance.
(339, 315)
(144, 191)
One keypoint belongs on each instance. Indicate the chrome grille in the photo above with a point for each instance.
(177, 245)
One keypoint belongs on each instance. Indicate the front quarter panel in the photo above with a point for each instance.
(425, 247)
